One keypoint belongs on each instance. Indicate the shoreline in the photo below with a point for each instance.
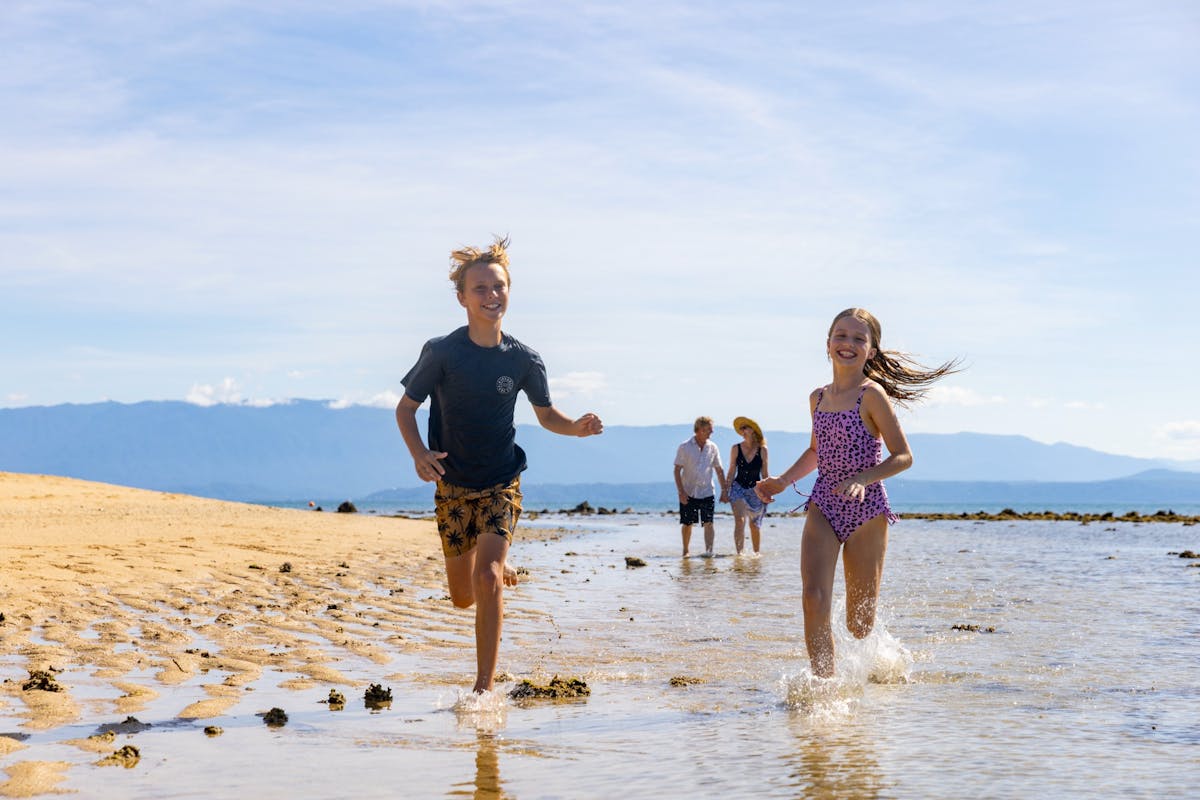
(118, 601)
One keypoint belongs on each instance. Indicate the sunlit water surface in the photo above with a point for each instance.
(1087, 685)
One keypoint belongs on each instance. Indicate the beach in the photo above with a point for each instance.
(1010, 659)
(146, 591)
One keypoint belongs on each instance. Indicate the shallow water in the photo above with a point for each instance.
(1088, 686)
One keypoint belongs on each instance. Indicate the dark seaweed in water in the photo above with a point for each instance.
(377, 697)
(127, 725)
(557, 689)
(336, 701)
(276, 718)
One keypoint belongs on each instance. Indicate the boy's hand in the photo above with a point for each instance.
(767, 488)
(429, 466)
(588, 425)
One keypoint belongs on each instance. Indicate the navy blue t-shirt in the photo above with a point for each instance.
(474, 392)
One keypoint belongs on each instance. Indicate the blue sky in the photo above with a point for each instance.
(249, 202)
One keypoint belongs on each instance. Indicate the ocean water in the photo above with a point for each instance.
(1083, 680)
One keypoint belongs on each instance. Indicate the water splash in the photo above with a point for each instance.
(485, 712)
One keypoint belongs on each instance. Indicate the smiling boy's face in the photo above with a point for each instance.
(485, 292)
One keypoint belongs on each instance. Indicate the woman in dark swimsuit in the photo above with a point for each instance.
(747, 464)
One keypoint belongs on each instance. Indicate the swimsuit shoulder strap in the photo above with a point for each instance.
(861, 392)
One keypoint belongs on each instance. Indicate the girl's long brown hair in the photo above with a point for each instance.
(904, 378)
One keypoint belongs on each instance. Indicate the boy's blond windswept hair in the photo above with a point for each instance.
(464, 258)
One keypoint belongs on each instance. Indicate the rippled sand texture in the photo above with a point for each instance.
(146, 591)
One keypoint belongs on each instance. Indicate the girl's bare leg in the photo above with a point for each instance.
(818, 561)
(862, 566)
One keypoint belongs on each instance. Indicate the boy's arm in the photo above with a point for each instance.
(555, 421)
(426, 462)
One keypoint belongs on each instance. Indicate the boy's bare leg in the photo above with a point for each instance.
(687, 537)
(488, 584)
(459, 572)
(710, 537)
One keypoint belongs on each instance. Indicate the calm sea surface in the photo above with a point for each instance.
(1088, 684)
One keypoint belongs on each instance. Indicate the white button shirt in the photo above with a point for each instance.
(698, 464)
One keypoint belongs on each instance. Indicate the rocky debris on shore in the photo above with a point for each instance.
(127, 757)
(971, 627)
(42, 680)
(346, 507)
(634, 561)
(275, 718)
(684, 680)
(213, 730)
(1009, 514)
(127, 725)
(377, 697)
(1186, 554)
(336, 700)
(557, 689)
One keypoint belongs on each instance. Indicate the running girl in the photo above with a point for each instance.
(848, 510)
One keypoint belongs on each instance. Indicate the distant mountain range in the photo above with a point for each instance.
(306, 450)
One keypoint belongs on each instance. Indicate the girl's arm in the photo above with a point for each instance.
(427, 463)
(880, 415)
(767, 488)
(555, 421)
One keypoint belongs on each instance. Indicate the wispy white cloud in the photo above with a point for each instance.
(386, 399)
(575, 384)
(943, 395)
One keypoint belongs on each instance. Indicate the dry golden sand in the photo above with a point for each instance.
(121, 584)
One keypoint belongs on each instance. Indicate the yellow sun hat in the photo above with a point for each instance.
(741, 422)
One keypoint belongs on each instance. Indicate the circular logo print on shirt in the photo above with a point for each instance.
(504, 384)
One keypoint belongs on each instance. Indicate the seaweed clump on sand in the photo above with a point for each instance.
(377, 697)
(275, 718)
(684, 680)
(127, 757)
(42, 680)
(336, 701)
(973, 628)
(557, 689)
(634, 561)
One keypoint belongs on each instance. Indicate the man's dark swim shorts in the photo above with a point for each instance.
(696, 509)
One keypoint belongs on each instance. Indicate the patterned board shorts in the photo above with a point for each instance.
(463, 514)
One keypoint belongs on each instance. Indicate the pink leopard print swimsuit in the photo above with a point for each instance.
(845, 448)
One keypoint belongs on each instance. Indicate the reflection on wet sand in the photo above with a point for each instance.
(828, 764)
(486, 784)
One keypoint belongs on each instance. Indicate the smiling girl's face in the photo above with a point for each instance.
(849, 343)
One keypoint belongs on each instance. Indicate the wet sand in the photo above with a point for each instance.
(147, 592)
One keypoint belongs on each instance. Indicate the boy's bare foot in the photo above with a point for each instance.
(510, 576)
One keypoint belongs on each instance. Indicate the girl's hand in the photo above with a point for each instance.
(851, 489)
(767, 488)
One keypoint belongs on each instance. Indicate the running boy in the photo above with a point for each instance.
(473, 376)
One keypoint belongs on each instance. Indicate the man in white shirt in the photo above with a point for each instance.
(695, 461)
